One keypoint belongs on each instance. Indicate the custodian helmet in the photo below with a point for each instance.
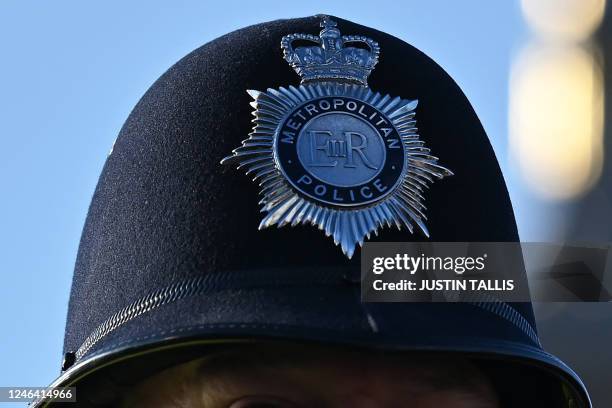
(172, 263)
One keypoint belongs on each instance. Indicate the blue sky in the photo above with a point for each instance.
(72, 71)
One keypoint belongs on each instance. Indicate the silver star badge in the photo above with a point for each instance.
(333, 153)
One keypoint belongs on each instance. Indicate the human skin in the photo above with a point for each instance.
(283, 376)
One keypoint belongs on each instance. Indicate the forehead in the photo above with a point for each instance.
(328, 377)
(348, 370)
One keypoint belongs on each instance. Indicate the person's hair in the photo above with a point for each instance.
(429, 371)
(435, 370)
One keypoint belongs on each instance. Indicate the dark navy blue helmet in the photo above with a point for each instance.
(172, 262)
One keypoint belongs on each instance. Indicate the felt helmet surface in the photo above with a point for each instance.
(172, 263)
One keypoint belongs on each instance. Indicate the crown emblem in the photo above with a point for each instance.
(336, 57)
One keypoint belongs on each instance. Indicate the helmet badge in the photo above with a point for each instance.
(331, 152)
